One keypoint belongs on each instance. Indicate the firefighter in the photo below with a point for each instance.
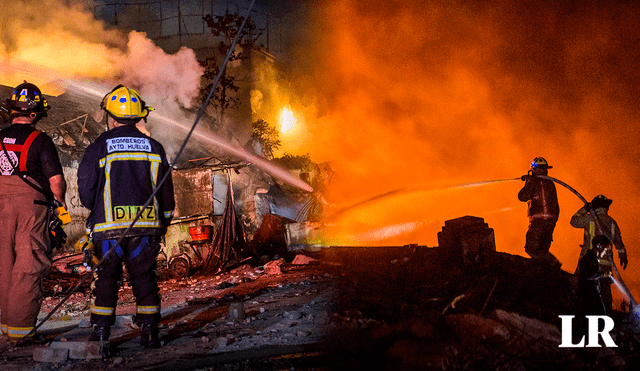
(31, 178)
(594, 280)
(593, 217)
(118, 174)
(543, 211)
(594, 283)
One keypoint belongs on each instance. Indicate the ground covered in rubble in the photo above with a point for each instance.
(400, 308)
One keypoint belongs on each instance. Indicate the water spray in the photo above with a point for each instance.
(624, 291)
(634, 308)
(483, 182)
(265, 165)
(409, 190)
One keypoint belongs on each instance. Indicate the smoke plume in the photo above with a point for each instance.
(53, 40)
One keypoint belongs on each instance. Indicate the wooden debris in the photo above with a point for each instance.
(59, 283)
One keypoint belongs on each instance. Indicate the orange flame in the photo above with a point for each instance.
(429, 95)
(287, 120)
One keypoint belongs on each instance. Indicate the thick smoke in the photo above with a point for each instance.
(160, 76)
(167, 83)
(50, 41)
(60, 39)
(425, 95)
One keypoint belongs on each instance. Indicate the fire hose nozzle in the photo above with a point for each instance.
(63, 215)
(61, 212)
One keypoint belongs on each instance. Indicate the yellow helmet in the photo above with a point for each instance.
(125, 103)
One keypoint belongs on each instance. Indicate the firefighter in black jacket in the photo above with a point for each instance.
(541, 197)
(118, 174)
(31, 177)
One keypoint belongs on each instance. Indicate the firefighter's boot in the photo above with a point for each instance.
(150, 336)
(100, 333)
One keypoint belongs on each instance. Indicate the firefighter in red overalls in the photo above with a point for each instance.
(30, 178)
(540, 195)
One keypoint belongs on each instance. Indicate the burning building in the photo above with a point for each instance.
(409, 100)
(419, 107)
(202, 175)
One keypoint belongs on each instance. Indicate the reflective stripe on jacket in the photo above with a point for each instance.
(116, 177)
(582, 219)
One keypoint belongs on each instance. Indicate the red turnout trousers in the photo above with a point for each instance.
(23, 255)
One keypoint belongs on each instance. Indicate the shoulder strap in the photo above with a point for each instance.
(20, 172)
(25, 149)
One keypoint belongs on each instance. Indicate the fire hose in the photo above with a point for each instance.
(201, 112)
(617, 280)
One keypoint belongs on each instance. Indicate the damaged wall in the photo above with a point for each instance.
(203, 190)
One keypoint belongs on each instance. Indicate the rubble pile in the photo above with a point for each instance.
(376, 308)
(414, 308)
(66, 273)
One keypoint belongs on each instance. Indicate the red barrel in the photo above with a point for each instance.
(200, 233)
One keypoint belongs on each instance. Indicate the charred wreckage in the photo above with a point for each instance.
(257, 244)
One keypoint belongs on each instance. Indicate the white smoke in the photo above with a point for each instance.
(52, 40)
(160, 77)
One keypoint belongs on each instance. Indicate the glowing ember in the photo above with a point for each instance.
(287, 120)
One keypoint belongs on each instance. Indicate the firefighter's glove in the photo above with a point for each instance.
(525, 177)
(623, 259)
(58, 235)
(587, 206)
(63, 215)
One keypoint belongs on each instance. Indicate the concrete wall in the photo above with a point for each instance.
(79, 213)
